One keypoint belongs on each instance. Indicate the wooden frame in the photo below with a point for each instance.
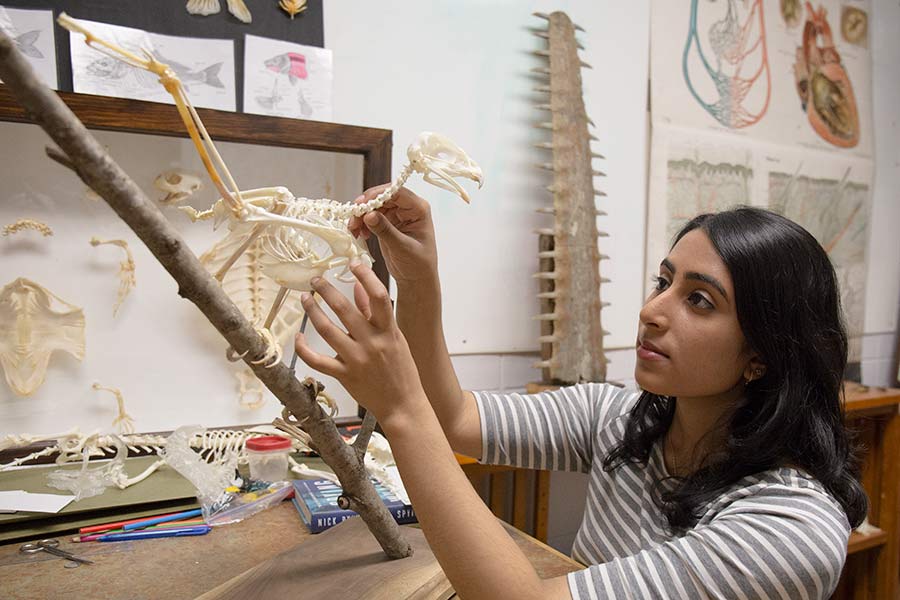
(154, 118)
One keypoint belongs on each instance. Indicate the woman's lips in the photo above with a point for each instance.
(648, 352)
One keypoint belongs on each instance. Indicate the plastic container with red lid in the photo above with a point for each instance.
(268, 457)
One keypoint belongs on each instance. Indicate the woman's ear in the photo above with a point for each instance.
(755, 370)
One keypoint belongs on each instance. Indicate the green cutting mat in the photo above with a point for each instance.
(164, 491)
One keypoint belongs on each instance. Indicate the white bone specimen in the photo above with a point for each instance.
(306, 237)
(178, 186)
(292, 7)
(34, 324)
(22, 224)
(571, 333)
(203, 7)
(72, 445)
(253, 293)
(239, 10)
(127, 277)
(123, 420)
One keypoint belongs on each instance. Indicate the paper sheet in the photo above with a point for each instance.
(205, 67)
(32, 33)
(20, 500)
(286, 79)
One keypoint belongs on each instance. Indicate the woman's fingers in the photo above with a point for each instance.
(381, 311)
(356, 225)
(333, 335)
(362, 300)
(350, 316)
(333, 367)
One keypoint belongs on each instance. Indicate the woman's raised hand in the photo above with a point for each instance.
(405, 233)
(373, 360)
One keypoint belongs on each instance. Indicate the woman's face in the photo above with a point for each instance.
(689, 341)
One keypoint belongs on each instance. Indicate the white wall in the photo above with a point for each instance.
(461, 67)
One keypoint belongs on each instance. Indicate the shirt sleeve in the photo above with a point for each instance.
(554, 430)
(782, 543)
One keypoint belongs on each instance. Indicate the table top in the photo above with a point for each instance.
(175, 568)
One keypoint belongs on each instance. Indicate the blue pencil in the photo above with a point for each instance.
(155, 520)
(154, 533)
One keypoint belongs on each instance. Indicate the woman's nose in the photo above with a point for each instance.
(655, 311)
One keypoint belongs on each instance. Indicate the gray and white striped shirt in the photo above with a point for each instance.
(776, 534)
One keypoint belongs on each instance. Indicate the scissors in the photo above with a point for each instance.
(51, 546)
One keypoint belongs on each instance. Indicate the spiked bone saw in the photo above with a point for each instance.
(571, 333)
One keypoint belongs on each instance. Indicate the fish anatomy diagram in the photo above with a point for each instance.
(205, 67)
(287, 79)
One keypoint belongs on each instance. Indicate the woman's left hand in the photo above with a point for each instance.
(373, 360)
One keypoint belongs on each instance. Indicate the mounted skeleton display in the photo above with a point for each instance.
(303, 238)
(571, 332)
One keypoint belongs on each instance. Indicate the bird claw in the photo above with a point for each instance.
(273, 349)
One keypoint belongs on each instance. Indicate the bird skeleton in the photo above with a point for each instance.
(307, 238)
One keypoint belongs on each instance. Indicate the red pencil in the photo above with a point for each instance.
(120, 524)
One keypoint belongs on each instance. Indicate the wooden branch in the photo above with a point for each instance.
(95, 167)
(361, 443)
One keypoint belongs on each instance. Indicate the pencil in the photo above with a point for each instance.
(120, 524)
(93, 537)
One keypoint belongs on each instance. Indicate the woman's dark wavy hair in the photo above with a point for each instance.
(789, 310)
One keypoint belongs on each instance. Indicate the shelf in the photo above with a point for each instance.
(860, 542)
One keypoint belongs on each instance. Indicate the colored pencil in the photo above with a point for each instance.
(164, 519)
(93, 536)
(120, 524)
(154, 533)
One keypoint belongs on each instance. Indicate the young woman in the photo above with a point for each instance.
(727, 476)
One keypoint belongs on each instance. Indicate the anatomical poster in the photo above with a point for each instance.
(784, 71)
(286, 79)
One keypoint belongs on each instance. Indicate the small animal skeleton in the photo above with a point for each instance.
(571, 333)
(211, 7)
(240, 10)
(123, 420)
(23, 224)
(178, 186)
(71, 446)
(203, 7)
(293, 7)
(306, 238)
(127, 277)
(253, 293)
(31, 329)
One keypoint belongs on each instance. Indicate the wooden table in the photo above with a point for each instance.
(174, 568)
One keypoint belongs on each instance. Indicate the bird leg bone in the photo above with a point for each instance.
(205, 148)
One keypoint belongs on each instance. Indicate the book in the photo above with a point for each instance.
(316, 501)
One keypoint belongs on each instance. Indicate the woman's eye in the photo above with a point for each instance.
(660, 283)
(700, 301)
